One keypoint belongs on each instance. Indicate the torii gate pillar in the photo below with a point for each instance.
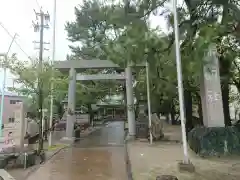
(130, 103)
(71, 117)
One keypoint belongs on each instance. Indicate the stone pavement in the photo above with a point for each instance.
(162, 159)
(99, 156)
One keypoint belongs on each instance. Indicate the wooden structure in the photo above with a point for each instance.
(112, 111)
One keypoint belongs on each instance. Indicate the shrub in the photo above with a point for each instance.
(214, 141)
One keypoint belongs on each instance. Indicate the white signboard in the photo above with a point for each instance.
(21, 124)
(82, 118)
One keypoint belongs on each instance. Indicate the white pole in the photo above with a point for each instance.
(53, 58)
(180, 85)
(4, 84)
(149, 103)
(3, 95)
(43, 119)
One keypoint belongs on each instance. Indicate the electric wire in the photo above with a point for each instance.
(19, 46)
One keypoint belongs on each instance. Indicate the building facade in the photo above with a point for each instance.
(10, 100)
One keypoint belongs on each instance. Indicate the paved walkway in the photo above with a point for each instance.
(21, 174)
(100, 156)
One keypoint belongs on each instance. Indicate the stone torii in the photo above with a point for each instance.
(73, 67)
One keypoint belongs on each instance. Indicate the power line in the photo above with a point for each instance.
(38, 4)
(1, 24)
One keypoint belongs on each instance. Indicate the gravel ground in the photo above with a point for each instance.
(160, 159)
(163, 157)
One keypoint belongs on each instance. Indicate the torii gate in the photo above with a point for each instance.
(75, 66)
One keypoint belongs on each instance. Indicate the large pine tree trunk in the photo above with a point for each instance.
(188, 110)
(91, 114)
(137, 95)
(172, 114)
(225, 65)
(225, 99)
(200, 113)
(199, 110)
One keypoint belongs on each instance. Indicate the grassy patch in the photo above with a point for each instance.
(55, 147)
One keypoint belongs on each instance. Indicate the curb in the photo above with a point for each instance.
(53, 154)
(41, 164)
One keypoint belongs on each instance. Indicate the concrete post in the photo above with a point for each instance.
(20, 125)
(210, 91)
(130, 103)
(71, 117)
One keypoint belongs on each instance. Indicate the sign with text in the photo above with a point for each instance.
(210, 90)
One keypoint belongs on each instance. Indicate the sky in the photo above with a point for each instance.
(17, 17)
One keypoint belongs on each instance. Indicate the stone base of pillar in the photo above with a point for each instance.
(68, 140)
(131, 137)
(187, 167)
(5, 175)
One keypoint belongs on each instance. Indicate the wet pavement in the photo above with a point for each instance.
(100, 156)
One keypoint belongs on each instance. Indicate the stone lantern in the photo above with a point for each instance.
(65, 103)
(142, 106)
(65, 107)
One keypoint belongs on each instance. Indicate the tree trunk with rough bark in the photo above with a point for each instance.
(188, 110)
(225, 65)
(91, 114)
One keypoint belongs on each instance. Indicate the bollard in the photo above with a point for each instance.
(77, 133)
(25, 160)
(42, 156)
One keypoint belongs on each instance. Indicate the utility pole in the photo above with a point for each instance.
(44, 17)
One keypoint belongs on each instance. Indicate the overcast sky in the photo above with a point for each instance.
(17, 17)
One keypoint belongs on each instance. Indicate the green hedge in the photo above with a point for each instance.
(3, 161)
(31, 159)
(214, 141)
